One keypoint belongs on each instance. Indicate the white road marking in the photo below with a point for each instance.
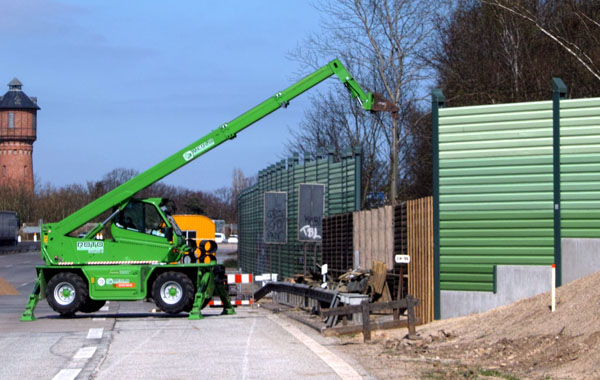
(67, 374)
(104, 308)
(95, 333)
(85, 352)
(8, 265)
(99, 319)
(136, 350)
(247, 351)
(23, 284)
(107, 302)
(343, 369)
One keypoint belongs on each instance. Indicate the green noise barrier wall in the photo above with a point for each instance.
(342, 195)
(510, 181)
(495, 191)
(580, 168)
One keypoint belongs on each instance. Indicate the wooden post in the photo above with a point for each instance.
(366, 320)
(304, 245)
(412, 333)
(270, 256)
(399, 296)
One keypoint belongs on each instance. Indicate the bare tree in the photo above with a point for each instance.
(532, 11)
(381, 42)
(488, 54)
(336, 123)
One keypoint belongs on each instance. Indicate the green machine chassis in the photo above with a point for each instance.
(205, 281)
(146, 260)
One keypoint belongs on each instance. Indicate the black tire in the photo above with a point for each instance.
(66, 293)
(173, 292)
(91, 306)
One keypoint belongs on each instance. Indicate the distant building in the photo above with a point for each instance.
(18, 130)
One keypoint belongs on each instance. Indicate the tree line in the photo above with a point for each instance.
(476, 51)
(51, 203)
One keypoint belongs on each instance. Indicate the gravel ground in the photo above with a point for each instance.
(524, 340)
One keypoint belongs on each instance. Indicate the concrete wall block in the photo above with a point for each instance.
(580, 258)
(514, 282)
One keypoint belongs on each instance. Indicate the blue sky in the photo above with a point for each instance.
(128, 83)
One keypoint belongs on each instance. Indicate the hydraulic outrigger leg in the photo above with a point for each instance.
(209, 284)
(38, 293)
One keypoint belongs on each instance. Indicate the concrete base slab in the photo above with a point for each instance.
(513, 282)
(579, 258)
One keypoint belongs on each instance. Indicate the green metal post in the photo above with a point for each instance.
(559, 91)
(437, 102)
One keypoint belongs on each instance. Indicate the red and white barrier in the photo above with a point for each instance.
(233, 302)
(239, 278)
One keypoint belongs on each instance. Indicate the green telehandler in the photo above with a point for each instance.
(142, 252)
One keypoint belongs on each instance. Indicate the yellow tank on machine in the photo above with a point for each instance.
(198, 228)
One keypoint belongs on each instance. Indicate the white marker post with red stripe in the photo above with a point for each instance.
(553, 307)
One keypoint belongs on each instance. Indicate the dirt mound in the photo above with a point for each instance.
(521, 340)
(7, 289)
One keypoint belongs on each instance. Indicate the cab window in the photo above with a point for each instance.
(142, 217)
(154, 224)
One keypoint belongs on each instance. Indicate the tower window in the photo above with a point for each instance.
(25, 171)
(3, 170)
(11, 120)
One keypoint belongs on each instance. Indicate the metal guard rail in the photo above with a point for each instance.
(322, 295)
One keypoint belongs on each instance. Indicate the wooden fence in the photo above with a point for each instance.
(380, 234)
(419, 215)
(374, 236)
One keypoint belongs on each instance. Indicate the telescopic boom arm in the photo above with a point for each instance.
(118, 196)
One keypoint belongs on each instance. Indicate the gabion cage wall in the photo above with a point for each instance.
(342, 194)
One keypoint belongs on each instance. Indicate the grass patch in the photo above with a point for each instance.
(448, 372)
(493, 372)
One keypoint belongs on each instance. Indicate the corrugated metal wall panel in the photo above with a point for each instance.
(580, 168)
(495, 191)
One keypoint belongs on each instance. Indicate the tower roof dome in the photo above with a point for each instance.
(15, 85)
(15, 98)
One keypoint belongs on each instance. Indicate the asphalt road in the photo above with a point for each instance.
(127, 340)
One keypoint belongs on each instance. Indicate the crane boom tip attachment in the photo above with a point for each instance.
(381, 104)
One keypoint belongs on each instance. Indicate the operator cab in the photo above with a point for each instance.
(148, 216)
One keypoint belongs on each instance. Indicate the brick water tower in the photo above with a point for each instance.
(18, 124)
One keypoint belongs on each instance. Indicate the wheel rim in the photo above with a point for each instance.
(64, 293)
(171, 292)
